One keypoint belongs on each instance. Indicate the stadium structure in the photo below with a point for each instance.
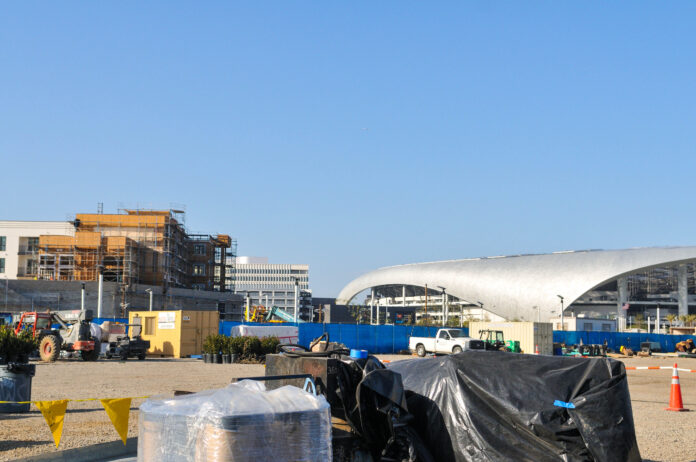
(593, 283)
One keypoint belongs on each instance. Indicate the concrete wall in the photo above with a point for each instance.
(66, 295)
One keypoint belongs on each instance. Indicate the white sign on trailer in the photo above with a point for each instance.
(166, 320)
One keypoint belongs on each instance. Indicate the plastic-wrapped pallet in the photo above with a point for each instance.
(240, 423)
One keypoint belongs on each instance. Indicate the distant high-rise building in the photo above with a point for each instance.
(271, 284)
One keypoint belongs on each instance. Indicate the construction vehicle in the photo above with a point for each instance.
(282, 314)
(73, 333)
(130, 345)
(494, 339)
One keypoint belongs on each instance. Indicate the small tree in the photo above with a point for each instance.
(670, 318)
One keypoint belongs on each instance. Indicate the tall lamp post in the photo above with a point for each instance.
(562, 324)
(444, 306)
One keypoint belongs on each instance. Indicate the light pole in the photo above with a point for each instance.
(538, 313)
(444, 306)
(562, 324)
(149, 291)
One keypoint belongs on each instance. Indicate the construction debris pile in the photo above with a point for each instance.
(495, 406)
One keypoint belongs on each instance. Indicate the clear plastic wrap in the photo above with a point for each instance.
(242, 422)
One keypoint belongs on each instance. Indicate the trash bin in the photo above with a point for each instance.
(15, 385)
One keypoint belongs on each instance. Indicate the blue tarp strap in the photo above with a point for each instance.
(560, 403)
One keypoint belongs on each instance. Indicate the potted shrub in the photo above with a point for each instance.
(209, 348)
(269, 345)
(236, 345)
(15, 371)
(219, 342)
(227, 350)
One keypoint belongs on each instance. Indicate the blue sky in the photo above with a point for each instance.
(353, 135)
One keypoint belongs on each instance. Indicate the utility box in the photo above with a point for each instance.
(529, 334)
(176, 333)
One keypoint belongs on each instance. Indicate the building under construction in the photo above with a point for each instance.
(137, 247)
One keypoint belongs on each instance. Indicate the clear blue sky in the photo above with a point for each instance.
(353, 135)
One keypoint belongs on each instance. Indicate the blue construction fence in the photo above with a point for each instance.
(375, 339)
(616, 339)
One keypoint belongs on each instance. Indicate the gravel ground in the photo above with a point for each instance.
(662, 435)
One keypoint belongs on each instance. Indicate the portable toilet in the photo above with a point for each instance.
(176, 333)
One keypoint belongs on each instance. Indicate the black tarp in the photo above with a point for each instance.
(498, 406)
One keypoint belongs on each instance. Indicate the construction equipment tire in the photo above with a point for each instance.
(49, 348)
(456, 350)
(91, 355)
(141, 357)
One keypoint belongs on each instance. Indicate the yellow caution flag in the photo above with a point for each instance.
(54, 412)
(118, 411)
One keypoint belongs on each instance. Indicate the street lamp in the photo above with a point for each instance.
(562, 325)
(444, 306)
(149, 291)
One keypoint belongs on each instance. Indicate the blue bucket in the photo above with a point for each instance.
(358, 354)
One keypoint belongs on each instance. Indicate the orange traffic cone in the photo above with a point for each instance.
(536, 350)
(675, 398)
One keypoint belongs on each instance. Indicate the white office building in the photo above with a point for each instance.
(19, 245)
(271, 284)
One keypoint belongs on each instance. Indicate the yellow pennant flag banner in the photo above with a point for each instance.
(54, 412)
(118, 411)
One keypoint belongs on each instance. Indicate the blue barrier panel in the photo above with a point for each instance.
(101, 320)
(617, 339)
(375, 339)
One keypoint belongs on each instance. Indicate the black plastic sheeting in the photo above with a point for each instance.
(499, 406)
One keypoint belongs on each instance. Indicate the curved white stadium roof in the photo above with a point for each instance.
(512, 286)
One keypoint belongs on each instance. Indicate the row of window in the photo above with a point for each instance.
(3, 243)
(242, 270)
(272, 279)
(2, 265)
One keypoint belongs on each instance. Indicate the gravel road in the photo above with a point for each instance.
(662, 435)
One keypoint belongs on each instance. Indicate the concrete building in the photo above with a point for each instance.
(19, 245)
(597, 283)
(272, 284)
(131, 247)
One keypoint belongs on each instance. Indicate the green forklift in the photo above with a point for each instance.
(495, 340)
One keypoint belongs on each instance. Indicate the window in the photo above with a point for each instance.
(199, 270)
(444, 335)
(32, 244)
(149, 325)
(587, 326)
(606, 327)
(3, 243)
(199, 249)
(2, 265)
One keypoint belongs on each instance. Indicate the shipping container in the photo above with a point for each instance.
(177, 333)
(529, 334)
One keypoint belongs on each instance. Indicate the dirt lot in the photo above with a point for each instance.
(662, 435)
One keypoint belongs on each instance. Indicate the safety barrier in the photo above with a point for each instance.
(616, 339)
(375, 339)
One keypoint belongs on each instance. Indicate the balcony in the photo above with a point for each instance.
(28, 250)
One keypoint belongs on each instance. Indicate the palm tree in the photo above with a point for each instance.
(670, 318)
(684, 318)
(691, 319)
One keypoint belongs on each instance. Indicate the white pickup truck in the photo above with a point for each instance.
(446, 341)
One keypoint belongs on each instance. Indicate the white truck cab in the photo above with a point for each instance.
(446, 341)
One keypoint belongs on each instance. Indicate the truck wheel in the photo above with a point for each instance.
(141, 357)
(456, 350)
(93, 354)
(420, 350)
(49, 348)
